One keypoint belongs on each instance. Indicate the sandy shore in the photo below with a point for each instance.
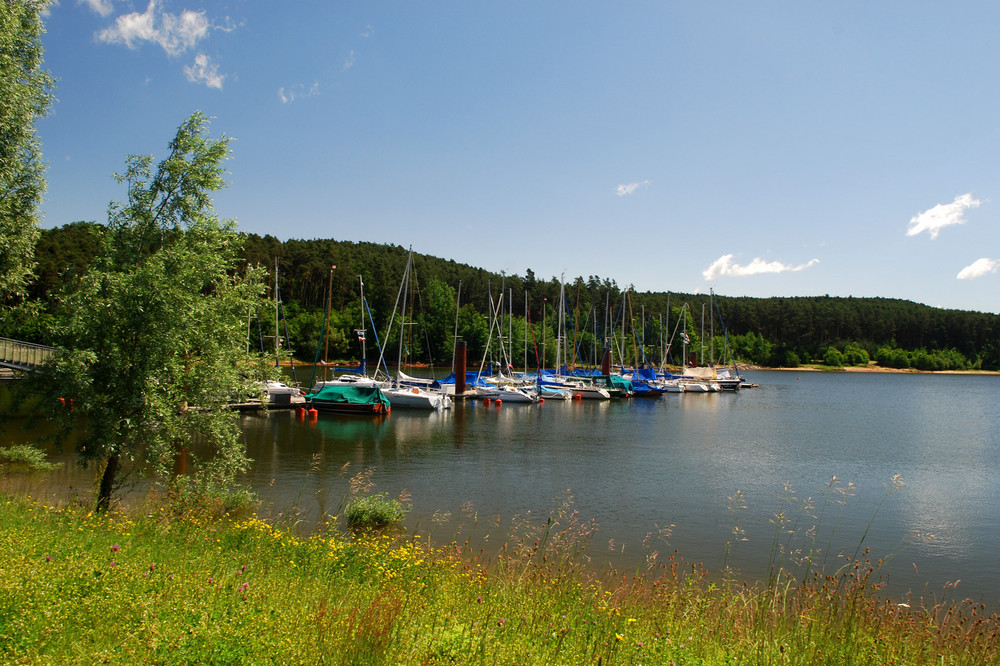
(874, 368)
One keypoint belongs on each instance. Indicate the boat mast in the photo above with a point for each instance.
(667, 340)
(454, 339)
(404, 290)
(326, 324)
(510, 327)
(701, 360)
(711, 329)
(559, 324)
(684, 338)
(545, 311)
(525, 331)
(361, 331)
(277, 335)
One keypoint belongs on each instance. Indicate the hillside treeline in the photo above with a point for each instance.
(514, 319)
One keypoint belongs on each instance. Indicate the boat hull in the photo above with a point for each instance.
(361, 400)
(414, 398)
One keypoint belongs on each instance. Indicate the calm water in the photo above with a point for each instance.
(638, 466)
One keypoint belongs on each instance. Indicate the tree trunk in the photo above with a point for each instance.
(107, 483)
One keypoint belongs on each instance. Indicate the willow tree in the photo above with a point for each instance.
(25, 96)
(153, 341)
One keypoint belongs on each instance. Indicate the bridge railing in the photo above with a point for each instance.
(23, 355)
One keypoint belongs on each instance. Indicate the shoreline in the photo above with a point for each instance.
(739, 366)
(872, 369)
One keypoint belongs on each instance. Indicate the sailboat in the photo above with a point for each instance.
(359, 395)
(275, 392)
(578, 387)
(713, 377)
(405, 391)
(502, 386)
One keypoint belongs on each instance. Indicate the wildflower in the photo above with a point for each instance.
(619, 637)
(479, 599)
(48, 558)
(115, 548)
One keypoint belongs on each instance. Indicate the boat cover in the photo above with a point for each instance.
(350, 395)
(472, 378)
(644, 374)
(614, 382)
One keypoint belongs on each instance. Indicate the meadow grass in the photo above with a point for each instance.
(169, 583)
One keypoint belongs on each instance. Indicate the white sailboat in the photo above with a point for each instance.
(405, 391)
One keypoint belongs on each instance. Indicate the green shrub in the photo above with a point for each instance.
(833, 358)
(27, 458)
(854, 354)
(374, 511)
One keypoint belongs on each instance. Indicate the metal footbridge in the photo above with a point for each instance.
(23, 356)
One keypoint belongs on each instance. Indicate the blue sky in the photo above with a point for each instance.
(760, 149)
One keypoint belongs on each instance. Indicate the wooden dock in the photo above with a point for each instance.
(293, 402)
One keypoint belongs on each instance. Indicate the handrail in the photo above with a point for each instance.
(20, 355)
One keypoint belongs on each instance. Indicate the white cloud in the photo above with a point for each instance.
(349, 60)
(204, 71)
(724, 266)
(943, 215)
(102, 7)
(979, 268)
(625, 190)
(298, 91)
(175, 33)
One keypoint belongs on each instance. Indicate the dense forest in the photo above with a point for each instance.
(513, 318)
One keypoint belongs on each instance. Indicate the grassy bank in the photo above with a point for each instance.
(160, 585)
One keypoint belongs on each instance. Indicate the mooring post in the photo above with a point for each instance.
(459, 367)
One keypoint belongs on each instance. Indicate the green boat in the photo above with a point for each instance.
(350, 399)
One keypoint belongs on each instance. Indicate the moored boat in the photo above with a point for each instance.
(514, 394)
(412, 397)
(350, 399)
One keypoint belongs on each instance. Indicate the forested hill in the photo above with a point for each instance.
(772, 331)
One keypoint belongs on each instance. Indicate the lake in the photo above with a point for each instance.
(698, 473)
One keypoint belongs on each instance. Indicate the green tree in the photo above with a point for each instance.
(25, 96)
(833, 357)
(153, 343)
(439, 320)
(854, 354)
